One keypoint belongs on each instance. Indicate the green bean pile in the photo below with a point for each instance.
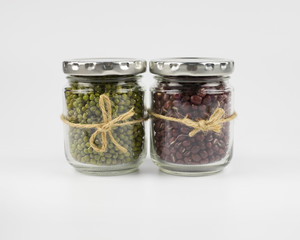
(82, 101)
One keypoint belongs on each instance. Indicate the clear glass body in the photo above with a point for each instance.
(172, 149)
(81, 105)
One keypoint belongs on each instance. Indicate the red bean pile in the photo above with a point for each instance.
(197, 101)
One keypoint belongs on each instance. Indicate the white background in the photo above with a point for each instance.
(255, 197)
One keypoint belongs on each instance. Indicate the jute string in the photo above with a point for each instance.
(214, 123)
(106, 126)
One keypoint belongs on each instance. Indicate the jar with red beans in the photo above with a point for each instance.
(192, 112)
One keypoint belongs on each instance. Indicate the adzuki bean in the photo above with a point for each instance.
(197, 101)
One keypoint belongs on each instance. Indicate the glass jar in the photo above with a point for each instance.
(192, 112)
(104, 115)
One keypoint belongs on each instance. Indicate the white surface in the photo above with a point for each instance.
(256, 197)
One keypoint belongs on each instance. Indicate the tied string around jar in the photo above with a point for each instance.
(214, 123)
(106, 126)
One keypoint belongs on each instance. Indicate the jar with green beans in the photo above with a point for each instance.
(104, 115)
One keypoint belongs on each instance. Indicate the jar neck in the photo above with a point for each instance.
(192, 79)
(104, 79)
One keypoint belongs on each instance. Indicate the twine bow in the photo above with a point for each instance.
(214, 123)
(106, 126)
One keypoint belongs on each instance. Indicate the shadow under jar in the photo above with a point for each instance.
(192, 88)
(115, 82)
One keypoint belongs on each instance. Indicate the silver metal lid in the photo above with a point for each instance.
(104, 66)
(192, 66)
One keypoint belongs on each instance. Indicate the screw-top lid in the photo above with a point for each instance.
(104, 66)
(191, 66)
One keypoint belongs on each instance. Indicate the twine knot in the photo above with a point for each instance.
(214, 123)
(106, 126)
